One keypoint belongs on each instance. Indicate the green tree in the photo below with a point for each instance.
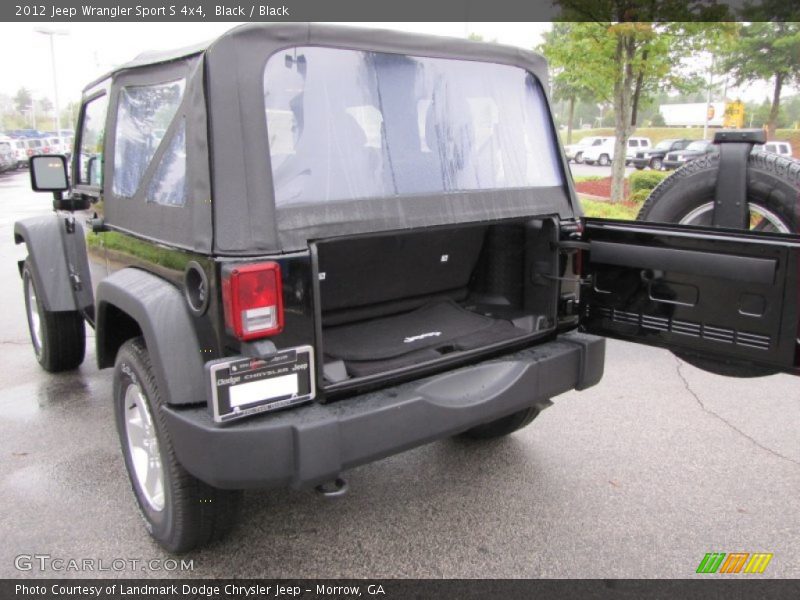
(637, 47)
(23, 100)
(69, 115)
(792, 107)
(572, 81)
(625, 64)
(766, 51)
(762, 115)
(44, 105)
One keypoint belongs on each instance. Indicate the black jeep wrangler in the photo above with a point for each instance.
(313, 247)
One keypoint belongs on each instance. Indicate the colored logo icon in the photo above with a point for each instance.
(735, 562)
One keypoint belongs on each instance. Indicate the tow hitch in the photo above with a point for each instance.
(333, 489)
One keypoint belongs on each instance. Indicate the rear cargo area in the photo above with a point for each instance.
(395, 301)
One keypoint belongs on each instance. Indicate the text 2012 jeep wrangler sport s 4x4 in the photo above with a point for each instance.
(319, 246)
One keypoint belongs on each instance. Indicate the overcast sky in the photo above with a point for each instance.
(90, 49)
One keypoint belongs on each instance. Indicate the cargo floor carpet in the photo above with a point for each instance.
(410, 338)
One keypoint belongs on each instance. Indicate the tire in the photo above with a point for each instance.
(772, 186)
(639, 167)
(687, 197)
(505, 425)
(656, 164)
(578, 158)
(180, 511)
(603, 160)
(58, 338)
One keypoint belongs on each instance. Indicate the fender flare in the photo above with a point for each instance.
(42, 236)
(160, 311)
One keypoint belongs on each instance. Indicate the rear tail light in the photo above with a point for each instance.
(252, 298)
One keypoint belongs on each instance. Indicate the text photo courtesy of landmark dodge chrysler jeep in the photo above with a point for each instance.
(351, 244)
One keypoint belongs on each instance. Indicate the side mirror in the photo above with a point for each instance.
(49, 173)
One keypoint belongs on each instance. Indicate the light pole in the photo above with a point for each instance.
(51, 33)
(32, 109)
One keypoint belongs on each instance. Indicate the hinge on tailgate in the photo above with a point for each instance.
(572, 246)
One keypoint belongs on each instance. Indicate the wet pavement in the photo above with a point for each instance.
(639, 476)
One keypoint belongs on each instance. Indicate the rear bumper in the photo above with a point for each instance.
(315, 443)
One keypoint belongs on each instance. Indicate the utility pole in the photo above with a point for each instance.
(51, 33)
(33, 112)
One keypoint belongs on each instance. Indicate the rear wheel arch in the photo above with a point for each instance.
(133, 303)
(111, 337)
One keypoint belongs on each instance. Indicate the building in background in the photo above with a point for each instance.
(719, 114)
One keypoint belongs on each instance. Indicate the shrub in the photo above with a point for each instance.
(609, 210)
(639, 196)
(646, 180)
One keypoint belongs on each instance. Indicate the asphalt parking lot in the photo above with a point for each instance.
(639, 476)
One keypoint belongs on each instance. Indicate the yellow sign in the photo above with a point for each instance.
(734, 115)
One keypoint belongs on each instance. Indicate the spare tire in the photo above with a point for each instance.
(687, 197)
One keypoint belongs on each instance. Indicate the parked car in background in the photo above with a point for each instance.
(21, 150)
(779, 148)
(696, 149)
(60, 145)
(654, 158)
(575, 152)
(603, 153)
(635, 145)
(23, 133)
(36, 146)
(8, 157)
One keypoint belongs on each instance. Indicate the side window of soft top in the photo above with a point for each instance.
(92, 132)
(144, 116)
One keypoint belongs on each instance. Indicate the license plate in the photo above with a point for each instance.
(244, 386)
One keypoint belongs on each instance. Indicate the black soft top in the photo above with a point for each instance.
(231, 209)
